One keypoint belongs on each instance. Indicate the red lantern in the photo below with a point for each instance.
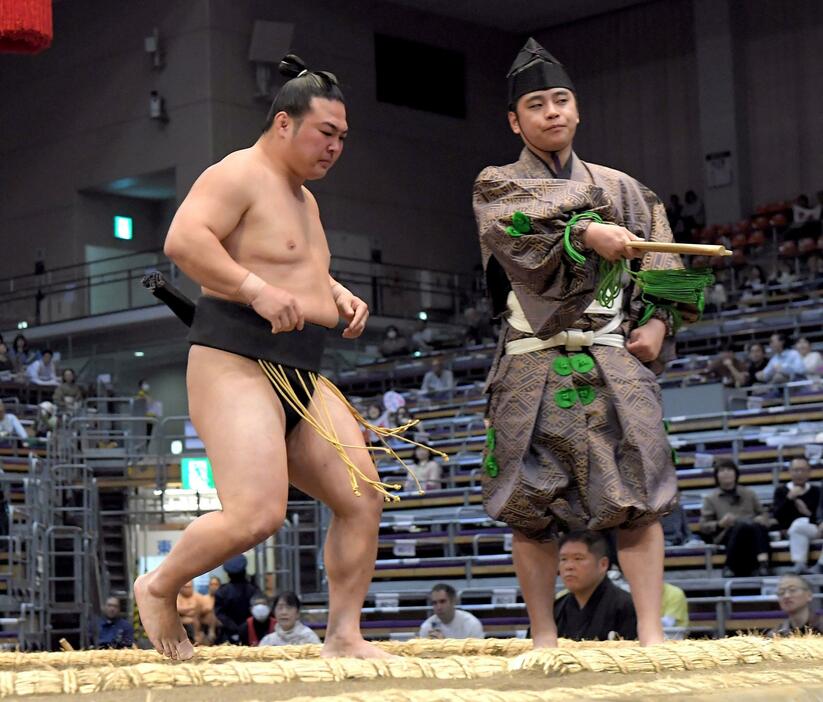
(25, 26)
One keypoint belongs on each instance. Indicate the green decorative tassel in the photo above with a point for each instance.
(571, 252)
(490, 464)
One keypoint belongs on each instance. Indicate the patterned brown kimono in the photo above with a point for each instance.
(597, 455)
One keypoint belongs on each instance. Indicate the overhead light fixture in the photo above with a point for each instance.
(422, 315)
(139, 354)
(22, 325)
(176, 447)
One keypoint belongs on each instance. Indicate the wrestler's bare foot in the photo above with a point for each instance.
(339, 647)
(161, 622)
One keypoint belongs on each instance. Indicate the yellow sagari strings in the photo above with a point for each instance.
(324, 426)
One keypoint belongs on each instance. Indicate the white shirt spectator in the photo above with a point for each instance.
(428, 474)
(298, 634)
(788, 362)
(42, 373)
(464, 626)
(437, 383)
(11, 425)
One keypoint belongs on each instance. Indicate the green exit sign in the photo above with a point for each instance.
(196, 474)
(123, 228)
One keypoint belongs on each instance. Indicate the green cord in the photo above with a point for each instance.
(573, 253)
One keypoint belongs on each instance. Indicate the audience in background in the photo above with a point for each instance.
(259, 624)
(21, 354)
(716, 298)
(676, 530)
(231, 601)
(674, 611)
(785, 364)
(594, 608)
(478, 320)
(782, 275)
(6, 361)
(43, 371)
(289, 630)
(693, 212)
(110, 629)
(394, 343)
(10, 427)
(803, 213)
(438, 382)
(796, 507)
(68, 394)
(190, 607)
(727, 369)
(46, 420)
(733, 516)
(449, 622)
(422, 337)
(756, 361)
(812, 360)
(753, 287)
(428, 471)
(674, 213)
(794, 594)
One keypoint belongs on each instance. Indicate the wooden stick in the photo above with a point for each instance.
(686, 249)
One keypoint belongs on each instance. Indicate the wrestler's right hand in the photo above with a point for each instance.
(278, 306)
(610, 241)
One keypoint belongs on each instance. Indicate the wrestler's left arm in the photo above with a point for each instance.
(351, 308)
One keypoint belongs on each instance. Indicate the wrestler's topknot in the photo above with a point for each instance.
(294, 97)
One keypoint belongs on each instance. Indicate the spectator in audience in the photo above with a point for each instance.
(289, 629)
(594, 608)
(6, 362)
(191, 610)
(10, 426)
(402, 416)
(422, 337)
(427, 470)
(674, 213)
(438, 382)
(394, 343)
(732, 515)
(676, 530)
(794, 594)
(803, 213)
(782, 275)
(260, 624)
(111, 630)
(478, 319)
(756, 361)
(716, 298)
(814, 267)
(753, 287)
(379, 418)
(728, 369)
(43, 371)
(796, 508)
(22, 355)
(812, 360)
(68, 394)
(231, 601)
(448, 622)
(785, 364)
(693, 212)
(674, 611)
(46, 420)
(210, 621)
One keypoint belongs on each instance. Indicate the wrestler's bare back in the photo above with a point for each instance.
(266, 226)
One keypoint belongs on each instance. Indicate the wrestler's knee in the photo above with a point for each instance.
(259, 523)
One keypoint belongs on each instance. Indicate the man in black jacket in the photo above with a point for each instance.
(594, 609)
(232, 601)
(797, 508)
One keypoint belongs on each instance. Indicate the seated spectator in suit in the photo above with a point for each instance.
(676, 531)
(428, 471)
(448, 622)
(10, 427)
(796, 507)
(794, 594)
(232, 600)
(438, 381)
(43, 371)
(394, 343)
(260, 624)
(785, 364)
(594, 608)
(674, 611)
(727, 369)
(756, 361)
(732, 515)
(111, 630)
(68, 394)
(812, 360)
(289, 630)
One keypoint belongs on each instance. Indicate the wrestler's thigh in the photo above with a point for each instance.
(241, 422)
(316, 468)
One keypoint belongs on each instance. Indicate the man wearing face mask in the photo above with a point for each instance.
(576, 437)
(259, 624)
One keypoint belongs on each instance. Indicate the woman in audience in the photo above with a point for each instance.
(427, 470)
(785, 363)
(6, 362)
(394, 343)
(69, 394)
(21, 355)
(289, 630)
(812, 360)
